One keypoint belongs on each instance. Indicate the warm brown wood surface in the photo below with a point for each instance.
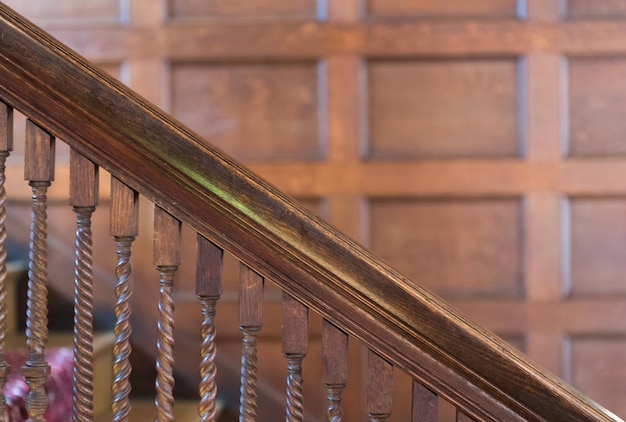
(269, 232)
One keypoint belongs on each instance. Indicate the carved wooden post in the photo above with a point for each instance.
(379, 387)
(6, 146)
(39, 171)
(208, 290)
(124, 228)
(83, 198)
(250, 320)
(295, 345)
(167, 234)
(425, 404)
(334, 368)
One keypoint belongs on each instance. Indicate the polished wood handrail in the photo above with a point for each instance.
(170, 165)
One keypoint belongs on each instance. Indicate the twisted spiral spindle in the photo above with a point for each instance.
(4, 366)
(36, 370)
(122, 331)
(334, 411)
(165, 345)
(208, 370)
(83, 317)
(248, 390)
(295, 389)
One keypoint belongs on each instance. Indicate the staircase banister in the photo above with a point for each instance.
(172, 166)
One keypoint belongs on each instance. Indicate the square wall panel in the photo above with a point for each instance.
(229, 9)
(585, 9)
(469, 248)
(450, 8)
(596, 103)
(262, 112)
(597, 261)
(91, 11)
(444, 108)
(596, 368)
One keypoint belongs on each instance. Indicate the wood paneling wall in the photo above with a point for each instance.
(476, 145)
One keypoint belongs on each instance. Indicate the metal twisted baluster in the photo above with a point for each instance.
(250, 320)
(6, 145)
(84, 198)
(124, 229)
(167, 232)
(295, 347)
(334, 368)
(379, 387)
(208, 290)
(39, 170)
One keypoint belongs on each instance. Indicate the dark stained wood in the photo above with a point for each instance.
(379, 387)
(241, 213)
(250, 297)
(295, 333)
(425, 404)
(83, 181)
(208, 269)
(167, 237)
(125, 210)
(6, 127)
(39, 154)
(334, 368)
(463, 417)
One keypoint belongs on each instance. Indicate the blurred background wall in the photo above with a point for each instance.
(478, 146)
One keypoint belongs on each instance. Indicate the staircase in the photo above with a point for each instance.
(317, 269)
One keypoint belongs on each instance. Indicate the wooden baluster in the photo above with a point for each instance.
(39, 171)
(208, 290)
(83, 198)
(334, 368)
(124, 228)
(295, 344)
(250, 320)
(379, 387)
(6, 146)
(425, 404)
(462, 416)
(167, 236)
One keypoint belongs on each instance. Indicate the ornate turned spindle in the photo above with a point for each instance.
(295, 345)
(334, 368)
(379, 387)
(425, 404)
(208, 290)
(124, 229)
(6, 146)
(250, 321)
(83, 198)
(39, 171)
(167, 236)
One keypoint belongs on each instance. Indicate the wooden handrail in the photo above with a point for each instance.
(172, 166)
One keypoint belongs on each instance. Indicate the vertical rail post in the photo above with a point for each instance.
(39, 171)
(425, 404)
(208, 290)
(83, 198)
(124, 227)
(6, 146)
(250, 321)
(379, 387)
(295, 345)
(167, 239)
(334, 368)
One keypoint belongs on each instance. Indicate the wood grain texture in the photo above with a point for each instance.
(167, 239)
(425, 404)
(39, 154)
(6, 127)
(250, 298)
(124, 210)
(83, 181)
(209, 264)
(240, 212)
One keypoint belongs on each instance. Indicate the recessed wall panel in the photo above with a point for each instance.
(452, 8)
(596, 100)
(266, 112)
(228, 9)
(443, 108)
(585, 9)
(68, 10)
(456, 247)
(598, 246)
(595, 369)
